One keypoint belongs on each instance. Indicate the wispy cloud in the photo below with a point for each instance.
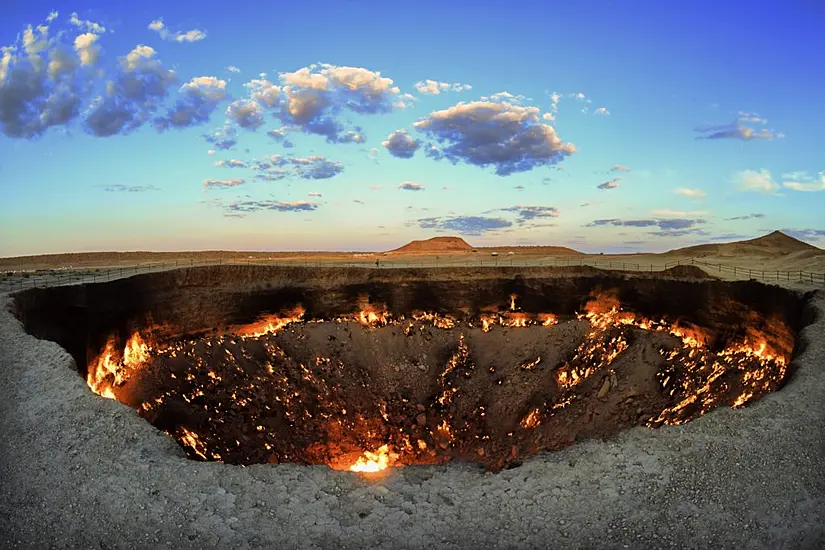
(690, 192)
(611, 184)
(756, 181)
(663, 224)
(219, 184)
(434, 87)
(231, 163)
(245, 207)
(746, 217)
(160, 27)
(620, 168)
(802, 181)
(740, 128)
(528, 214)
(120, 188)
(466, 225)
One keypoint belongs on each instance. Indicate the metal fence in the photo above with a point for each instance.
(14, 281)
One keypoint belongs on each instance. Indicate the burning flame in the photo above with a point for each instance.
(107, 373)
(271, 323)
(374, 462)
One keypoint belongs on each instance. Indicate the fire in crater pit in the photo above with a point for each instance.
(370, 390)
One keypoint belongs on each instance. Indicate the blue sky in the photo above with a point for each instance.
(605, 126)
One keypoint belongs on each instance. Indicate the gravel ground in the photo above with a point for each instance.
(78, 471)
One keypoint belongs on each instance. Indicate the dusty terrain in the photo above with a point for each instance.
(77, 470)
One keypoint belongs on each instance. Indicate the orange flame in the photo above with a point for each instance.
(371, 462)
(107, 373)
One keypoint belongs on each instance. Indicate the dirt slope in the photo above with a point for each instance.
(436, 245)
(772, 244)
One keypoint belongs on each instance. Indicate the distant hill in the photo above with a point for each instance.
(436, 245)
(772, 244)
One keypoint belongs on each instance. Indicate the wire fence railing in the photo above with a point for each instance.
(21, 280)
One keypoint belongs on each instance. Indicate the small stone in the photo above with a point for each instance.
(421, 419)
(420, 407)
(605, 388)
(480, 451)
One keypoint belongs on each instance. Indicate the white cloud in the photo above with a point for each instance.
(801, 181)
(760, 182)
(86, 49)
(411, 186)
(233, 69)
(90, 26)
(401, 145)
(160, 27)
(508, 137)
(434, 87)
(601, 111)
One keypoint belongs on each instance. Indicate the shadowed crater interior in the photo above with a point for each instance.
(364, 369)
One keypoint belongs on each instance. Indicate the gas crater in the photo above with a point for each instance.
(365, 370)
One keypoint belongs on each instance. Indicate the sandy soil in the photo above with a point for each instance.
(80, 471)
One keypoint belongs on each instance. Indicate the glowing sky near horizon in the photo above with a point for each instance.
(600, 125)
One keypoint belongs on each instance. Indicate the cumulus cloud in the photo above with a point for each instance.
(401, 145)
(611, 184)
(246, 114)
(503, 135)
(245, 207)
(86, 25)
(434, 87)
(801, 181)
(601, 111)
(467, 225)
(410, 186)
(663, 224)
(620, 168)
(232, 163)
(757, 181)
(528, 214)
(132, 96)
(201, 97)
(44, 79)
(88, 52)
(232, 69)
(120, 188)
(741, 128)
(218, 184)
(180, 36)
(310, 98)
(746, 217)
(690, 192)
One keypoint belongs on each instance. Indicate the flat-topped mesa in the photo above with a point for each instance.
(436, 245)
